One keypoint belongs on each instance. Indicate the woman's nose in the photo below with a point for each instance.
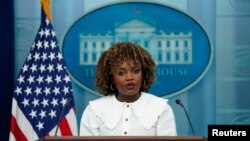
(130, 76)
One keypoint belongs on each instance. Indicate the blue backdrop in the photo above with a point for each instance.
(220, 97)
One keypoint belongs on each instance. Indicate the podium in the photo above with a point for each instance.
(124, 138)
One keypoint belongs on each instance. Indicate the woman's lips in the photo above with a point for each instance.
(130, 86)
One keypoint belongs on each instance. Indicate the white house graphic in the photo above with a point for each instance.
(165, 47)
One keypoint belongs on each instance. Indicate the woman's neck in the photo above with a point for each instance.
(128, 98)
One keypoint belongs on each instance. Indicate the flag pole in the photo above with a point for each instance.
(46, 7)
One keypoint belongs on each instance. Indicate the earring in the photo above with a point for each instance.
(144, 84)
(111, 87)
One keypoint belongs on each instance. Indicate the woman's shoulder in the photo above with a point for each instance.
(155, 107)
(102, 99)
(153, 98)
(101, 103)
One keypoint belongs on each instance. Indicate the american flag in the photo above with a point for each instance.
(43, 98)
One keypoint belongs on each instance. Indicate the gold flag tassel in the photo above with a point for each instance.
(46, 7)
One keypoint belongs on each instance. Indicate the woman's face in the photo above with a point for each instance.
(128, 79)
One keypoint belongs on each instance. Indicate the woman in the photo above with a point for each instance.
(124, 73)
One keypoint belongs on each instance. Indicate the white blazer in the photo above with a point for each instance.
(148, 116)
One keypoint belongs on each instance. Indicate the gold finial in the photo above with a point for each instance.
(46, 7)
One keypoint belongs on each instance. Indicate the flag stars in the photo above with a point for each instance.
(25, 102)
(42, 68)
(65, 90)
(48, 79)
(40, 125)
(50, 67)
(42, 114)
(53, 44)
(47, 21)
(39, 79)
(47, 91)
(33, 114)
(41, 33)
(53, 33)
(56, 90)
(59, 56)
(25, 68)
(28, 91)
(52, 56)
(29, 57)
(46, 33)
(38, 91)
(33, 45)
(46, 44)
(35, 102)
(59, 67)
(18, 90)
(20, 79)
(54, 102)
(45, 102)
(44, 56)
(66, 79)
(52, 114)
(39, 44)
(31, 79)
(58, 79)
(36, 56)
(63, 101)
(33, 68)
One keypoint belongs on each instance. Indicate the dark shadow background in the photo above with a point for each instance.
(6, 65)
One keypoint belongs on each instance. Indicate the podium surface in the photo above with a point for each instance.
(124, 138)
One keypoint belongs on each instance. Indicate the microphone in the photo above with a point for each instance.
(178, 101)
(61, 115)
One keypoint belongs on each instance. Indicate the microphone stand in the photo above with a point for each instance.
(178, 101)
